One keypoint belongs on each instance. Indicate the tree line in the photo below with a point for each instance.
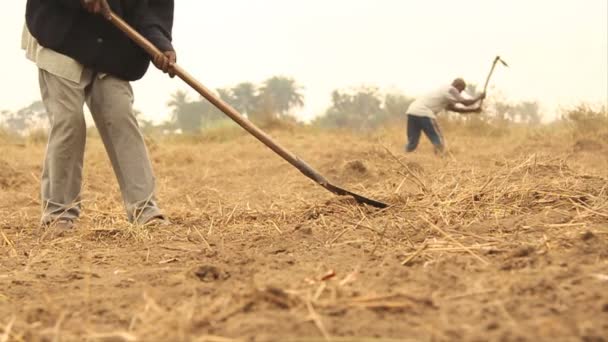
(277, 98)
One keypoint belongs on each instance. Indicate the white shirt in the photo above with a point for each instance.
(435, 102)
(46, 59)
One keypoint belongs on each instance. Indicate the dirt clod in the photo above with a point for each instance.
(493, 326)
(356, 166)
(209, 274)
(523, 252)
(587, 236)
(303, 229)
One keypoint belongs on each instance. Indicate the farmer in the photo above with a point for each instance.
(421, 113)
(82, 59)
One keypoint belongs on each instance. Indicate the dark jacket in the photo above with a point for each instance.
(64, 26)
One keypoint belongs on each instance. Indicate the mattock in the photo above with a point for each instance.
(485, 87)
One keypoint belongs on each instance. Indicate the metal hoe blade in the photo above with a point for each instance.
(358, 198)
(502, 61)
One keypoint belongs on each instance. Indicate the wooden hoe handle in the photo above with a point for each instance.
(242, 121)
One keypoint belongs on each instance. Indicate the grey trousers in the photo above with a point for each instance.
(110, 101)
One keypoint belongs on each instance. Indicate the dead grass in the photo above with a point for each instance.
(504, 239)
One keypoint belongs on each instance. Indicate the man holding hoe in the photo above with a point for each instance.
(421, 115)
(82, 59)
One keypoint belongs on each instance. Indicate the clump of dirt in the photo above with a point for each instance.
(588, 236)
(208, 274)
(590, 145)
(523, 252)
(356, 167)
(354, 170)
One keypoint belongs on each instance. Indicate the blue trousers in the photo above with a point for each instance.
(417, 124)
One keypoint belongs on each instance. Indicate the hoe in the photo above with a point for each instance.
(291, 158)
(485, 87)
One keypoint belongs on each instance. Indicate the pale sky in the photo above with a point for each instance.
(557, 49)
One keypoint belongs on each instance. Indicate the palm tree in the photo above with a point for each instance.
(282, 94)
(186, 115)
(178, 100)
(227, 96)
(245, 98)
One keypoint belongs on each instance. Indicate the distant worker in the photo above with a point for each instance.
(82, 58)
(421, 115)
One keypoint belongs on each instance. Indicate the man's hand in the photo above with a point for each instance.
(481, 96)
(165, 62)
(97, 7)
